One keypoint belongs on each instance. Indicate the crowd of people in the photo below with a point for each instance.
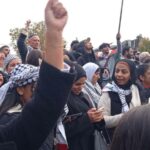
(77, 99)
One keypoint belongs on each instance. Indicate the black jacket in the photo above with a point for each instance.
(79, 131)
(29, 130)
(22, 47)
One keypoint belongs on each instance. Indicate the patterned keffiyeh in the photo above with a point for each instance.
(21, 75)
(121, 92)
(94, 92)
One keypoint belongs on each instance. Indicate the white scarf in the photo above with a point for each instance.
(60, 130)
(94, 91)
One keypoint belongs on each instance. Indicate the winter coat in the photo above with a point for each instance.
(31, 127)
(80, 130)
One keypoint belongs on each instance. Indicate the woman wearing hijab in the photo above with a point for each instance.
(81, 125)
(17, 91)
(121, 95)
(92, 88)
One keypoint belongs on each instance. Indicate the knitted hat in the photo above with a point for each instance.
(8, 59)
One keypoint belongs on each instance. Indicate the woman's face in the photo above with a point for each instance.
(78, 85)
(96, 77)
(13, 64)
(1, 79)
(122, 73)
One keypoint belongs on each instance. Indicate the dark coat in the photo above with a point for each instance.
(79, 131)
(86, 57)
(144, 92)
(29, 130)
(23, 50)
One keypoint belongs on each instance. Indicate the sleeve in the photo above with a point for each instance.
(111, 121)
(22, 47)
(40, 115)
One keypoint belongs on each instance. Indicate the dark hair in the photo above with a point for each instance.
(125, 49)
(142, 69)
(5, 77)
(33, 57)
(132, 68)
(4, 46)
(74, 43)
(132, 133)
(103, 45)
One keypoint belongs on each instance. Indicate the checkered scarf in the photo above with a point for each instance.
(21, 75)
(121, 92)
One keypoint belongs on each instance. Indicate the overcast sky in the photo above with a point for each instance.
(97, 19)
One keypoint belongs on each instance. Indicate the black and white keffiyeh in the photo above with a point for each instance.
(121, 92)
(21, 75)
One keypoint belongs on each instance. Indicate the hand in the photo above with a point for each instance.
(95, 115)
(55, 15)
(28, 22)
(55, 20)
(118, 36)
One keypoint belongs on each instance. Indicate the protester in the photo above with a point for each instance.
(19, 89)
(132, 132)
(107, 60)
(3, 78)
(5, 49)
(10, 62)
(143, 82)
(86, 49)
(2, 57)
(85, 118)
(92, 88)
(144, 57)
(34, 58)
(127, 53)
(121, 95)
(33, 42)
(104, 54)
(29, 130)
(72, 53)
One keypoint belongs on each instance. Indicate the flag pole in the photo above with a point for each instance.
(118, 37)
(120, 16)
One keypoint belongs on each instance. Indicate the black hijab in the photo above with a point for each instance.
(77, 69)
(132, 68)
